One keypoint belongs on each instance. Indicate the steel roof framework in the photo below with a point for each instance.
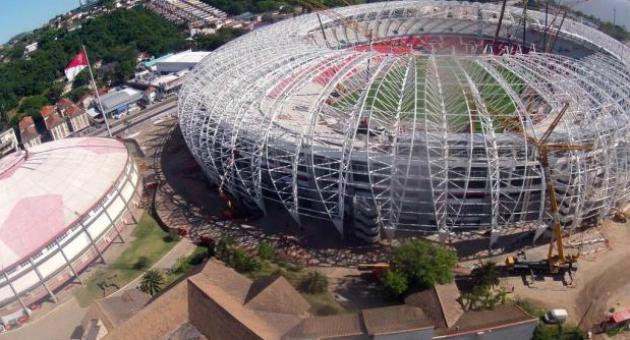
(420, 141)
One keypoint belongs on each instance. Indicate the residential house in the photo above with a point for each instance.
(55, 124)
(219, 303)
(28, 132)
(8, 142)
(77, 118)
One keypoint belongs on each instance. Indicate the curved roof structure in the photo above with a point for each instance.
(414, 118)
(45, 191)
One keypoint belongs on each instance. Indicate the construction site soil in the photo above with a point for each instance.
(185, 199)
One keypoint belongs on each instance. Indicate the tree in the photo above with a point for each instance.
(223, 35)
(483, 295)
(31, 105)
(314, 283)
(77, 93)
(557, 332)
(116, 37)
(395, 283)
(265, 250)
(152, 282)
(486, 275)
(268, 6)
(83, 78)
(55, 91)
(423, 264)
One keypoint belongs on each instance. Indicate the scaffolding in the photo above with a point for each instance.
(412, 127)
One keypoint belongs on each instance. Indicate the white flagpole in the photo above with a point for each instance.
(98, 97)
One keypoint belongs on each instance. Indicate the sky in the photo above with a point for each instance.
(605, 10)
(17, 16)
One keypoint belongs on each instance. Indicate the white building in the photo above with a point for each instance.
(8, 142)
(29, 136)
(63, 203)
(77, 118)
(55, 124)
(181, 61)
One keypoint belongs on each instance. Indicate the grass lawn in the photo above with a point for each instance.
(150, 243)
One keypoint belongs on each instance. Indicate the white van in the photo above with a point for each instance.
(556, 316)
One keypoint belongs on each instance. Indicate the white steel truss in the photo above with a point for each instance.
(413, 127)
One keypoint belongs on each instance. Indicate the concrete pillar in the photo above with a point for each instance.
(76, 275)
(100, 254)
(26, 310)
(41, 280)
(123, 198)
(111, 221)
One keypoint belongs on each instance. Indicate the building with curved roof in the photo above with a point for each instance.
(409, 116)
(63, 203)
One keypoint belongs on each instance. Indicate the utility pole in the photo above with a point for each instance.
(496, 35)
(98, 97)
(525, 3)
(546, 25)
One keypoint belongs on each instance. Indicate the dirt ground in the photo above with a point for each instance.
(602, 280)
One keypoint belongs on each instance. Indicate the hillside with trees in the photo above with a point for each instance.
(235, 7)
(114, 39)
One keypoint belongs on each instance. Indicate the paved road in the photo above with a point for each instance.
(118, 126)
(63, 322)
(60, 323)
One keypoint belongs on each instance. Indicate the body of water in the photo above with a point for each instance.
(17, 16)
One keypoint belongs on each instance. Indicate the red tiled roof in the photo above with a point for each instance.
(53, 119)
(621, 316)
(47, 111)
(64, 103)
(74, 111)
(26, 122)
(28, 131)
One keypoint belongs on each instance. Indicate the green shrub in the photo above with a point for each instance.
(314, 283)
(141, 263)
(242, 262)
(198, 257)
(224, 248)
(172, 236)
(395, 283)
(181, 265)
(557, 332)
(265, 250)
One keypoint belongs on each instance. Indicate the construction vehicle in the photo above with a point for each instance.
(558, 262)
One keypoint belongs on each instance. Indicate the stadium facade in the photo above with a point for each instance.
(415, 119)
(63, 204)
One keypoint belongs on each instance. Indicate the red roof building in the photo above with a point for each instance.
(54, 122)
(28, 132)
(77, 117)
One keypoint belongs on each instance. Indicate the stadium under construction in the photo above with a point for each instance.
(421, 116)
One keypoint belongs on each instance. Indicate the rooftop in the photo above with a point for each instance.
(185, 57)
(45, 192)
(118, 98)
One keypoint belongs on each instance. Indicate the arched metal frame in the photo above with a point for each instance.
(424, 135)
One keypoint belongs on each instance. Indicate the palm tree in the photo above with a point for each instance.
(152, 282)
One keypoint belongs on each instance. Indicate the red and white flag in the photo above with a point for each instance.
(78, 63)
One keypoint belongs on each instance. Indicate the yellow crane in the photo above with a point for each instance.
(557, 261)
